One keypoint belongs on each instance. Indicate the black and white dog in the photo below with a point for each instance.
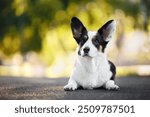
(92, 69)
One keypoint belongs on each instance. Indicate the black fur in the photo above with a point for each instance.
(100, 38)
(79, 31)
(82, 41)
(80, 34)
(98, 41)
(104, 30)
(113, 70)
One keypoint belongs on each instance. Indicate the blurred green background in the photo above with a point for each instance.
(36, 40)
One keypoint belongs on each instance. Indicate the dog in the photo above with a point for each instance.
(92, 69)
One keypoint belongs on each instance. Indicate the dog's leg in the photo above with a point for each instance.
(110, 85)
(71, 86)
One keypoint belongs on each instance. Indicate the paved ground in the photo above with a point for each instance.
(46, 88)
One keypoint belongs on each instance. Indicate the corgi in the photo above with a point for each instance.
(92, 69)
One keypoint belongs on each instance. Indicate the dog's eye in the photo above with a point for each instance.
(85, 37)
(95, 41)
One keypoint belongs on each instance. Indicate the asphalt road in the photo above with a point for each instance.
(131, 88)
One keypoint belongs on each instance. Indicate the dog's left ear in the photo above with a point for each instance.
(78, 29)
(107, 30)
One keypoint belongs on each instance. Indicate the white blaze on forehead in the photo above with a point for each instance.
(91, 34)
(92, 49)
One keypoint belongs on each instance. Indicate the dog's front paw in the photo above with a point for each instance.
(70, 87)
(114, 87)
(110, 85)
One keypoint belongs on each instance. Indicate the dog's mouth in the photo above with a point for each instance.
(86, 55)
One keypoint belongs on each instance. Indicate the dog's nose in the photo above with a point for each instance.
(86, 50)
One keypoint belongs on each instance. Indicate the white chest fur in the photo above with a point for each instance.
(91, 72)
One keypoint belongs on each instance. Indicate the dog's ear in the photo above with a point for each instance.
(107, 30)
(77, 28)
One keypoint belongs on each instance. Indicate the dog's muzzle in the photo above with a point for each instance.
(86, 51)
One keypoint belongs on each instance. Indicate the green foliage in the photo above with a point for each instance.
(43, 25)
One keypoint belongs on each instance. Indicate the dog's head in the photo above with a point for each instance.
(91, 43)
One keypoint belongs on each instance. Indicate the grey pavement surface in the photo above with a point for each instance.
(131, 88)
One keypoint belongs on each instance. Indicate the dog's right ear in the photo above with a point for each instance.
(107, 30)
(77, 28)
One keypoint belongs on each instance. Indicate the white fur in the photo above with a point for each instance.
(92, 71)
(111, 85)
(93, 50)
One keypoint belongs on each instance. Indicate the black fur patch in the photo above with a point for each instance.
(79, 32)
(102, 34)
(98, 41)
(113, 70)
(105, 30)
(82, 41)
(78, 29)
